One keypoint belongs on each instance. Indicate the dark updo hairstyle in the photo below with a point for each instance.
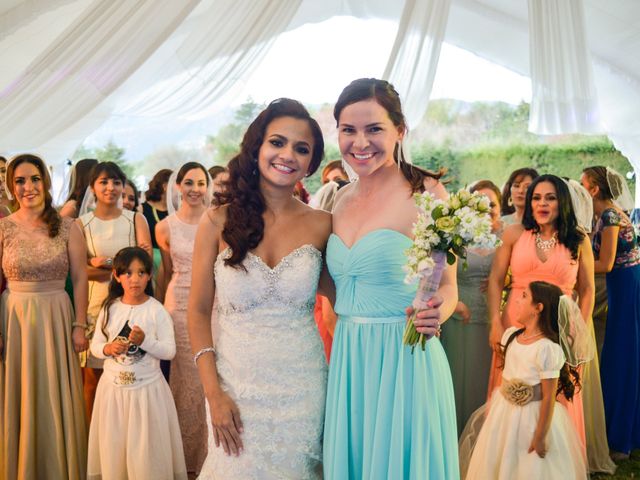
(598, 176)
(216, 170)
(187, 167)
(486, 185)
(386, 96)
(516, 176)
(79, 180)
(110, 169)
(244, 226)
(135, 194)
(156, 185)
(49, 215)
(549, 295)
(121, 263)
(569, 233)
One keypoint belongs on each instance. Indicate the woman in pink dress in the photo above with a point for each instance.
(548, 246)
(176, 235)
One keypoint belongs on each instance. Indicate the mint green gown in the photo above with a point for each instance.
(390, 414)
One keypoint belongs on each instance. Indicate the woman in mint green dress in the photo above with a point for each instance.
(390, 413)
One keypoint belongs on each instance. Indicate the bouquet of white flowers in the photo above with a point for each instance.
(444, 230)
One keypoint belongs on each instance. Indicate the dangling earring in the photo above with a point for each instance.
(255, 167)
(510, 202)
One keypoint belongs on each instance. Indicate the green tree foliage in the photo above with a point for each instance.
(110, 152)
(226, 143)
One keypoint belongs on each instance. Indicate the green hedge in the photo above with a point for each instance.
(496, 162)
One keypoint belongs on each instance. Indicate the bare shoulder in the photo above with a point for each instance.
(512, 233)
(343, 194)
(162, 225)
(319, 220)
(435, 188)
(214, 219)
(163, 232)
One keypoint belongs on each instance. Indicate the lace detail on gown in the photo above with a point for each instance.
(271, 362)
(184, 380)
(31, 255)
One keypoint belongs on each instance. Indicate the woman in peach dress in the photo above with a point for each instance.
(548, 246)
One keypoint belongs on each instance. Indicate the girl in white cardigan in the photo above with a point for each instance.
(134, 431)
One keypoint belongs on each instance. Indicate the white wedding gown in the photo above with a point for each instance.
(271, 362)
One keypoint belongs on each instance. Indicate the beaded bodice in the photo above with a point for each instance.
(31, 255)
(289, 286)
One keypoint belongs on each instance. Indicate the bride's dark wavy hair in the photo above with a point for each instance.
(244, 226)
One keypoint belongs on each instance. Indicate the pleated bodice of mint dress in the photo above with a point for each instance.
(390, 413)
(43, 429)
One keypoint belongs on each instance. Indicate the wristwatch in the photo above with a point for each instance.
(109, 261)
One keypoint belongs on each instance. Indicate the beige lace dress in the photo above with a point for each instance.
(42, 416)
(184, 380)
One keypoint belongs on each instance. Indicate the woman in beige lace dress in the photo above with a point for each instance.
(176, 235)
(44, 429)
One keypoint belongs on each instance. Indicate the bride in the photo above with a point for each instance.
(260, 255)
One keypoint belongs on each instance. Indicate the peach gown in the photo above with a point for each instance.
(559, 269)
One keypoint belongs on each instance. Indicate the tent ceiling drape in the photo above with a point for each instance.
(68, 65)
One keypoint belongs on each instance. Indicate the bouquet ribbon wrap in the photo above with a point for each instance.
(428, 286)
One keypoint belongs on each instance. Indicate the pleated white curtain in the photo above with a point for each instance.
(619, 97)
(564, 94)
(414, 58)
(83, 66)
(135, 57)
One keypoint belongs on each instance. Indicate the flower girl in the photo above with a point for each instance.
(526, 434)
(134, 431)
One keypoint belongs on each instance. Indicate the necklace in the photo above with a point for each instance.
(525, 337)
(546, 245)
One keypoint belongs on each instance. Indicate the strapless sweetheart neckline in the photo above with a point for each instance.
(368, 234)
(306, 246)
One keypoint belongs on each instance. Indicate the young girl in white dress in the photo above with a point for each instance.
(134, 431)
(527, 434)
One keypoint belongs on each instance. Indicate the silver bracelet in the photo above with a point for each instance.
(202, 352)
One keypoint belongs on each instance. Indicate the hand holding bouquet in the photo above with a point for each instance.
(444, 229)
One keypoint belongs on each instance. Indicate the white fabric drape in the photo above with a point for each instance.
(619, 97)
(136, 58)
(83, 66)
(564, 95)
(218, 48)
(414, 58)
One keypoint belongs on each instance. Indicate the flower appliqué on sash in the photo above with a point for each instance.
(517, 392)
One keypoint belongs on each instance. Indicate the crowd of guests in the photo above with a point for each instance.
(172, 334)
